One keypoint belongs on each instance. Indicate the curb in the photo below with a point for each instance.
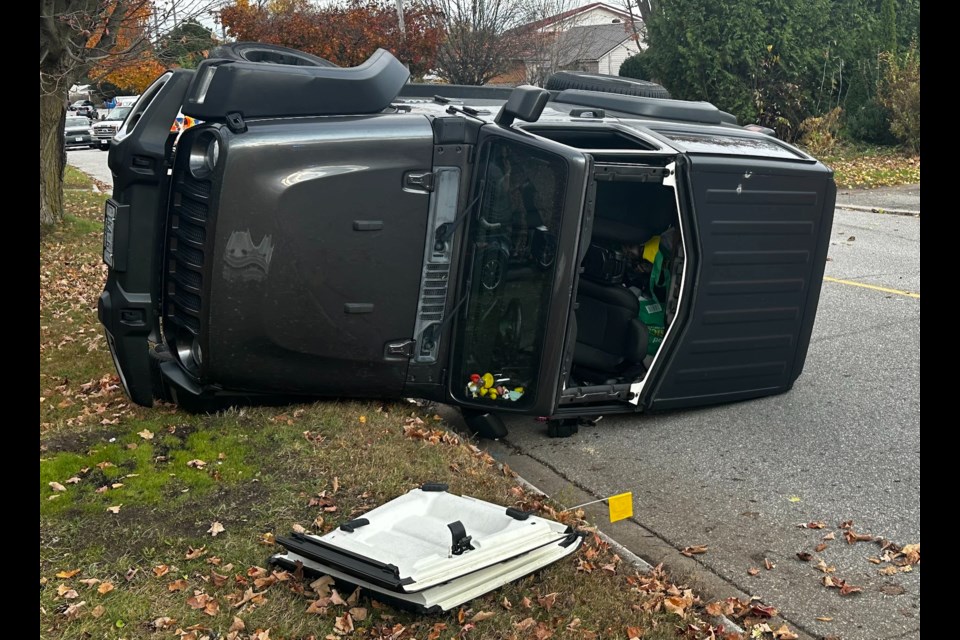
(896, 212)
(635, 540)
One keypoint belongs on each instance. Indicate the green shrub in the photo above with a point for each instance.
(819, 134)
(869, 122)
(636, 66)
(900, 94)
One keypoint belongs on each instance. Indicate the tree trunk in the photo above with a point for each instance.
(53, 157)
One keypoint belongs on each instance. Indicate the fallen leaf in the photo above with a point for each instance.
(177, 585)
(784, 633)
(321, 586)
(634, 633)
(768, 565)
(198, 600)
(268, 539)
(820, 547)
(526, 603)
(215, 528)
(363, 419)
(813, 525)
(105, 588)
(912, 553)
(344, 624)
(830, 536)
(506, 604)
(694, 550)
(90, 581)
(852, 536)
(887, 590)
(548, 600)
(56, 486)
(846, 524)
(163, 622)
(753, 571)
(675, 604)
(762, 611)
(74, 610)
(824, 618)
(360, 614)
(794, 498)
(237, 625)
(196, 463)
(524, 624)
(336, 484)
(105, 464)
(319, 607)
(217, 579)
(115, 509)
(146, 434)
(480, 616)
(116, 485)
(336, 599)
(888, 571)
(805, 556)
(66, 575)
(161, 570)
(822, 566)
(98, 611)
(131, 573)
(298, 528)
(847, 589)
(193, 554)
(66, 592)
(73, 480)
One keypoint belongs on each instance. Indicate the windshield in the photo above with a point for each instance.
(511, 246)
(118, 114)
(78, 122)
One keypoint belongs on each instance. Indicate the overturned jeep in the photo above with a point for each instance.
(340, 232)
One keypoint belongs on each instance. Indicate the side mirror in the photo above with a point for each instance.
(526, 103)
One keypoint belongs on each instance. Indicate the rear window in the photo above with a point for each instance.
(731, 145)
(78, 122)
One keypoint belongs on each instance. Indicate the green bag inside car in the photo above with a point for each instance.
(652, 313)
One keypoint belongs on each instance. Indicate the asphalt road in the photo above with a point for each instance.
(91, 161)
(844, 444)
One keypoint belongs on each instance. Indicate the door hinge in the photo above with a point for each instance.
(419, 180)
(400, 349)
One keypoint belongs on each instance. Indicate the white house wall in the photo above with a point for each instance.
(610, 63)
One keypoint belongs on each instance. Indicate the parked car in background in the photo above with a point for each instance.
(105, 129)
(79, 103)
(87, 110)
(77, 133)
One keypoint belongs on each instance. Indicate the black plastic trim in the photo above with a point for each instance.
(659, 108)
(517, 514)
(434, 486)
(374, 572)
(354, 524)
(222, 88)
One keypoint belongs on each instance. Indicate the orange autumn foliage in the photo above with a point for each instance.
(132, 64)
(345, 34)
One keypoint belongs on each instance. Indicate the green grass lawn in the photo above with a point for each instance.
(865, 166)
(130, 499)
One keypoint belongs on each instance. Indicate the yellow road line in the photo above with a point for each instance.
(853, 283)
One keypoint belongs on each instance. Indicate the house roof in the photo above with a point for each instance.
(591, 42)
(560, 17)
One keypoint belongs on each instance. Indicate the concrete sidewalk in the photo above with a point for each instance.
(904, 199)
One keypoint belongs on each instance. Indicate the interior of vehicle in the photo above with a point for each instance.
(633, 221)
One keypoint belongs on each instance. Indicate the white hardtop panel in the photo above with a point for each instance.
(411, 533)
(457, 591)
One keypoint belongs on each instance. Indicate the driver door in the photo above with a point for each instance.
(528, 205)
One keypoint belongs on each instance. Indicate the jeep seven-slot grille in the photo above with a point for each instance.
(434, 292)
(186, 247)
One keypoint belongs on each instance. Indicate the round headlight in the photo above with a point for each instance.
(204, 154)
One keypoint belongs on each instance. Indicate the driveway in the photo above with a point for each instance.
(844, 444)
